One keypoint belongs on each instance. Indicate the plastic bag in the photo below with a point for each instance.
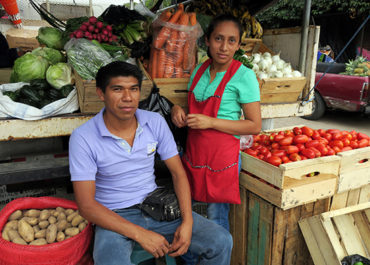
(9, 108)
(86, 57)
(351, 260)
(246, 141)
(173, 50)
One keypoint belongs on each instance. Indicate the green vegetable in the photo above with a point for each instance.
(244, 60)
(53, 56)
(29, 96)
(59, 75)
(54, 94)
(13, 95)
(40, 84)
(51, 37)
(28, 67)
(358, 263)
(65, 90)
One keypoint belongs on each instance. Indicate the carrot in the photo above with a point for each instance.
(178, 72)
(169, 66)
(185, 62)
(161, 63)
(181, 6)
(193, 18)
(162, 37)
(154, 65)
(171, 42)
(176, 16)
(184, 19)
(165, 16)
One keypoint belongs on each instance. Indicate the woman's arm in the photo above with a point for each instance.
(251, 125)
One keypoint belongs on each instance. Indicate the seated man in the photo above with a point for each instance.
(112, 169)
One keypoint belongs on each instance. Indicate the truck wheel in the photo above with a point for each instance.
(318, 108)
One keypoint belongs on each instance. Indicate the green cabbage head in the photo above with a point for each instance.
(52, 55)
(59, 75)
(51, 37)
(29, 67)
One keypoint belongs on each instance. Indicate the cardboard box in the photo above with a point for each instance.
(22, 38)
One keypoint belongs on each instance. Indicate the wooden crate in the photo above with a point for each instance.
(5, 75)
(295, 192)
(251, 46)
(333, 235)
(350, 198)
(354, 169)
(281, 90)
(267, 235)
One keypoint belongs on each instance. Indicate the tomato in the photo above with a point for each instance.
(290, 149)
(322, 132)
(317, 152)
(346, 142)
(272, 136)
(300, 139)
(263, 138)
(279, 137)
(297, 131)
(330, 151)
(328, 136)
(337, 143)
(337, 149)
(323, 141)
(256, 146)
(274, 160)
(267, 155)
(309, 153)
(289, 133)
(363, 143)
(361, 136)
(263, 150)
(333, 131)
(336, 136)
(316, 135)
(354, 135)
(295, 157)
(300, 146)
(279, 153)
(322, 149)
(307, 131)
(281, 133)
(353, 144)
(312, 143)
(275, 146)
(285, 159)
(261, 156)
(266, 142)
(251, 152)
(346, 148)
(303, 157)
(347, 136)
(286, 141)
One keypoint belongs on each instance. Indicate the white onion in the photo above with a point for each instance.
(263, 65)
(262, 75)
(256, 57)
(255, 68)
(288, 75)
(266, 55)
(280, 64)
(272, 68)
(275, 58)
(296, 74)
(278, 74)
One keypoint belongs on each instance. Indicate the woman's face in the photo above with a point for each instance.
(223, 42)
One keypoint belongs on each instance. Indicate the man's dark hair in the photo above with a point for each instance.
(116, 69)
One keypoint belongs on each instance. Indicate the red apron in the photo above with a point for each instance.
(211, 157)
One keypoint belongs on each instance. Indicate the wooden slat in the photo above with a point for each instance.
(351, 209)
(353, 197)
(350, 235)
(265, 233)
(232, 224)
(253, 222)
(240, 228)
(339, 201)
(334, 238)
(367, 212)
(364, 194)
(364, 228)
(279, 231)
(281, 90)
(292, 236)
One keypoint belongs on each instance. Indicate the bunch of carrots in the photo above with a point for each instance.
(173, 50)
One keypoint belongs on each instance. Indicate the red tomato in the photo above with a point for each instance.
(353, 144)
(316, 135)
(330, 151)
(279, 137)
(322, 132)
(346, 148)
(281, 133)
(266, 142)
(267, 155)
(317, 152)
(307, 131)
(272, 136)
(333, 131)
(337, 149)
(303, 157)
(297, 131)
(261, 156)
(274, 160)
(312, 143)
(251, 152)
(309, 153)
(295, 157)
(279, 153)
(346, 142)
(337, 143)
(285, 159)
(348, 136)
(300, 146)
(263, 138)
(322, 149)
(363, 143)
(300, 139)
(354, 134)
(275, 146)
(286, 141)
(336, 136)
(323, 141)
(289, 133)
(263, 150)
(290, 149)
(328, 136)
(361, 136)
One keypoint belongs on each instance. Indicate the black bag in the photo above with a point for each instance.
(162, 205)
(351, 260)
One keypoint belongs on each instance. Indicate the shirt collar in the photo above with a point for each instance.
(141, 119)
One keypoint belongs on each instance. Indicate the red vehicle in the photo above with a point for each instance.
(336, 91)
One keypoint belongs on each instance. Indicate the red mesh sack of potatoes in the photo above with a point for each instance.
(67, 252)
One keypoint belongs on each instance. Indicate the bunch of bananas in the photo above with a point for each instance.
(252, 28)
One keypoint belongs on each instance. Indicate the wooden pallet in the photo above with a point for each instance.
(354, 169)
(267, 235)
(333, 235)
(350, 198)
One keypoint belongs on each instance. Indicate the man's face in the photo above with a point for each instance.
(121, 97)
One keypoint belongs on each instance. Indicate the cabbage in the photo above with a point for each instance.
(29, 67)
(53, 56)
(51, 37)
(59, 75)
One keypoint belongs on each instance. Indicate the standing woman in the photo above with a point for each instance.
(218, 90)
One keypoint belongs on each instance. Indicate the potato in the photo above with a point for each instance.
(69, 211)
(11, 225)
(13, 234)
(44, 215)
(32, 213)
(62, 225)
(82, 226)
(16, 215)
(44, 224)
(52, 211)
(4, 235)
(60, 209)
(19, 240)
(55, 214)
(60, 236)
(25, 230)
(51, 233)
(69, 225)
(31, 220)
(39, 242)
(77, 220)
(40, 234)
(36, 228)
(72, 231)
(61, 216)
(52, 220)
(71, 216)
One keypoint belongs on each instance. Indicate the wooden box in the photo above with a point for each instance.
(333, 235)
(251, 46)
(354, 169)
(22, 38)
(265, 234)
(350, 198)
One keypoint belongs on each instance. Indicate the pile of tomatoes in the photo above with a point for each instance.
(304, 143)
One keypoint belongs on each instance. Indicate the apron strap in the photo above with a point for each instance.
(199, 74)
(228, 75)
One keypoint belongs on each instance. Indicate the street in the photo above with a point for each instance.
(331, 120)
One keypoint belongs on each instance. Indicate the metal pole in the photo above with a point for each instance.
(91, 13)
(48, 5)
(304, 36)
(132, 4)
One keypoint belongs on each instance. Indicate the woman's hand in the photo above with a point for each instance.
(178, 116)
(199, 121)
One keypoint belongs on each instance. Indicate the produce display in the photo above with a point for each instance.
(41, 227)
(359, 67)
(303, 143)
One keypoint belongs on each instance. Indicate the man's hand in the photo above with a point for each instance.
(154, 243)
(199, 121)
(178, 116)
(181, 240)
